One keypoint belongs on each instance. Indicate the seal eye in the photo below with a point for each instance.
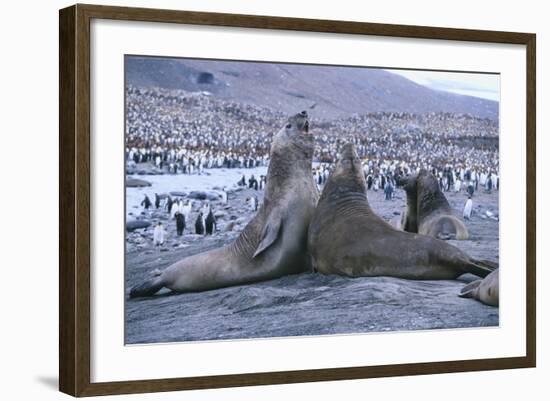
(288, 126)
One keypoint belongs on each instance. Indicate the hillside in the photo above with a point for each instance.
(334, 91)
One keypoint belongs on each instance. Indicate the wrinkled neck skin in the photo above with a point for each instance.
(430, 198)
(344, 195)
(285, 165)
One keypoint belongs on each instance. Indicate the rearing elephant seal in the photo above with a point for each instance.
(485, 290)
(346, 237)
(274, 243)
(428, 211)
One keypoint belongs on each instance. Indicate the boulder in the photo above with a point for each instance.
(230, 226)
(136, 183)
(180, 194)
(199, 195)
(204, 195)
(136, 225)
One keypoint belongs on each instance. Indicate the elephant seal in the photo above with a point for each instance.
(346, 237)
(428, 211)
(485, 290)
(274, 243)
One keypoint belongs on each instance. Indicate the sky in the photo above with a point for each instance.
(486, 86)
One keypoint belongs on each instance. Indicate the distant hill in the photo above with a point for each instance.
(334, 91)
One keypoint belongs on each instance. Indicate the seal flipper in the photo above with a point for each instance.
(468, 290)
(481, 268)
(269, 234)
(488, 263)
(147, 289)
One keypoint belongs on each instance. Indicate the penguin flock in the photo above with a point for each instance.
(180, 211)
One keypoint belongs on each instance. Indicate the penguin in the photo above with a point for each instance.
(169, 203)
(470, 189)
(146, 202)
(489, 184)
(210, 223)
(458, 185)
(186, 210)
(174, 209)
(180, 206)
(199, 224)
(158, 234)
(242, 182)
(180, 223)
(157, 201)
(467, 213)
(252, 203)
(224, 196)
(205, 210)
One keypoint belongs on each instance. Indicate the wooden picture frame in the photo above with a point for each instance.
(75, 199)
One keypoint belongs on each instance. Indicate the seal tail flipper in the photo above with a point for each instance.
(481, 268)
(147, 289)
(468, 290)
(488, 263)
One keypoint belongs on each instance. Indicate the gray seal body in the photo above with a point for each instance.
(485, 290)
(428, 211)
(274, 243)
(346, 237)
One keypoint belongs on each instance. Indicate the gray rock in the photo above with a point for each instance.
(307, 304)
(199, 195)
(204, 195)
(213, 195)
(136, 225)
(137, 183)
(230, 226)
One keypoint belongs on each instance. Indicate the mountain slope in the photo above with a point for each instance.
(335, 91)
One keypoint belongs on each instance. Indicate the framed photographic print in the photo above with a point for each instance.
(250, 200)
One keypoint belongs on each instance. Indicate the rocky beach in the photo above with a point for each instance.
(305, 304)
(195, 127)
